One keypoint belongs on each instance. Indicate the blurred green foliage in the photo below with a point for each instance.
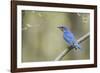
(43, 41)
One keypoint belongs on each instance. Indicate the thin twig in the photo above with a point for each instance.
(66, 51)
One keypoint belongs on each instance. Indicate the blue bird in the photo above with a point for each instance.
(69, 37)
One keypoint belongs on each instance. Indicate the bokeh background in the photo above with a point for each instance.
(43, 41)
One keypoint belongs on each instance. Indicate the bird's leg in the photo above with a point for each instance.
(74, 46)
(71, 47)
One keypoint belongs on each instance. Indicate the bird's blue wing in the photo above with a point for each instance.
(68, 37)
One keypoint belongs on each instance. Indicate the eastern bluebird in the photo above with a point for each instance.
(69, 37)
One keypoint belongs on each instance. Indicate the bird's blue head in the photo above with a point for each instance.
(62, 28)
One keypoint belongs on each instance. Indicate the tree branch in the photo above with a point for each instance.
(66, 51)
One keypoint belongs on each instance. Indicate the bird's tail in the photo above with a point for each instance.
(77, 47)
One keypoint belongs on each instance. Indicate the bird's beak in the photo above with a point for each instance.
(60, 28)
